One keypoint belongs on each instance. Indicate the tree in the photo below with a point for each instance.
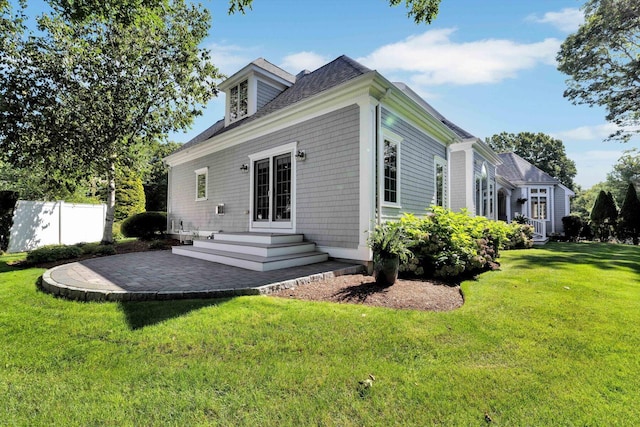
(604, 214)
(130, 198)
(626, 170)
(90, 90)
(420, 10)
(629, 221)
(539, 149)
(601, 60)
(582, 204)
(155, 177)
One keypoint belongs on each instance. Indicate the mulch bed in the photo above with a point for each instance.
(359, 289)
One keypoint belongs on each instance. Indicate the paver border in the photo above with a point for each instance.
(47, 284)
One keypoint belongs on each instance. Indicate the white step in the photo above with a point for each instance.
(263, 238)
(259, 249)
(251, 262)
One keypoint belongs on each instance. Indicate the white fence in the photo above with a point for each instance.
(37, 224)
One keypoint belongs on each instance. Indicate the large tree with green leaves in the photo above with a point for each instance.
(94, 86)
(541, 150)
(601, 60)
(626, 170)
(420, 10)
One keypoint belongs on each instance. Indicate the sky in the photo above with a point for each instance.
(489, 66)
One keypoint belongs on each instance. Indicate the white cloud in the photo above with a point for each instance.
(594, 165)
(588, 133)
(230, 58)
(433, 58)
(297, 62)
(567, 20)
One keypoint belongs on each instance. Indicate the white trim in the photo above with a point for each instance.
(362, 253)
(281, 226)
(202, 171)
(395, 139)
(367, 181)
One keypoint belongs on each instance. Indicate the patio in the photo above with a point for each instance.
(161, 275)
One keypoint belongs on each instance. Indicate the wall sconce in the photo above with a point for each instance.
(301, 155)
(244, 168)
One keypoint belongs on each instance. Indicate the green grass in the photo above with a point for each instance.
(552, 339)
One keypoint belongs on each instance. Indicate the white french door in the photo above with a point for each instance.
(273, 190)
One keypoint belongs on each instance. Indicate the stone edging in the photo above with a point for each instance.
(47, 284)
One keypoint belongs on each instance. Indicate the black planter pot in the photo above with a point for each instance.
(385, 270)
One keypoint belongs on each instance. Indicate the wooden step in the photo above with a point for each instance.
(262, 238)
(251, 262)
(259, 249)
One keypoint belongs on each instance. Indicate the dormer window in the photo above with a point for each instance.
(239, 101)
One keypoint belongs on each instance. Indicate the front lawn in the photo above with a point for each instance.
(551, 339)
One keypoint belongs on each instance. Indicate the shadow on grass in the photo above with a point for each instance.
(604, 256)
(148, 313)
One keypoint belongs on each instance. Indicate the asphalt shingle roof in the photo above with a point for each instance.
(517, 170)
(336, 72)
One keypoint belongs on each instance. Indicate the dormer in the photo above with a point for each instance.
(251, 88)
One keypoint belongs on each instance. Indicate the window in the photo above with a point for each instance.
(440, 182)
(539, 205)
(485, 194)
(239, 101)
(201, 184)
(390, 171)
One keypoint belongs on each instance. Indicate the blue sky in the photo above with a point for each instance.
(489, 66)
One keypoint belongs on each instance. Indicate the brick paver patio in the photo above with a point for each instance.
(161, 275)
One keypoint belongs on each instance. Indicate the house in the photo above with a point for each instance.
(527, 190)
(301, 167)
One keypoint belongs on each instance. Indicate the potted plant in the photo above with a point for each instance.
(390, 246)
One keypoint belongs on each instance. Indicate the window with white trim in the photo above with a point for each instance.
(440, 179)
(391, 175)
(202, 178)
(239, 101)
(539, 203)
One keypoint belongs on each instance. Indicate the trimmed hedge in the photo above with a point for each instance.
(53, 253)
(453, 244)
(146, 225)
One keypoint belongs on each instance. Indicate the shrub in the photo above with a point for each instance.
(53, 253)
(160, 244)
(451, 244)
(145, 225)
(130, 199)
(572, 226)
(97, 249)
(8, 200)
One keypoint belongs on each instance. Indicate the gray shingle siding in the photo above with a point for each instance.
(417, 151)
(458, 181)
(265, 94)
(559, 208)
(327, 182)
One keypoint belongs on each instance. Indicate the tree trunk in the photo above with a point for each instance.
(107, 235)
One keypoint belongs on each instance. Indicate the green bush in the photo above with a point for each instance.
(130, 198)
(572, 226)
(454, 244)
(97, 249)
(145, 225)
(8, 200)
(53, 253)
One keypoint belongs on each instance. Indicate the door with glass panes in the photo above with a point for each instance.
(272, 194)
